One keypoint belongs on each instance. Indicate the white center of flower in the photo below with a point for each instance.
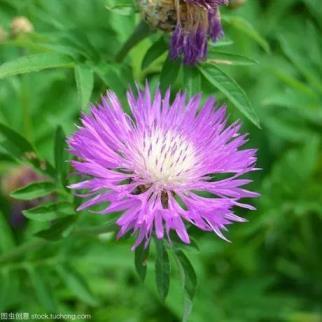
(166, 157)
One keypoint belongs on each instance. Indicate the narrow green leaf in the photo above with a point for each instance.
(84, 82)
(61, 155)
(217, 57)
(59, 228)
(76, 283)
(162, 269)
(34, 63)
(111, 77)
(141, 255)
(18, 147)
(189, 279)
(42, 289)
(244, 26)
(10, 288)
(155, 51)
(7, 241)
(48, 211)
(230, 88)
(33, 190)
(192, 80)
(169, 73)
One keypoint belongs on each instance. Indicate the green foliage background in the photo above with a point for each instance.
(63, 262)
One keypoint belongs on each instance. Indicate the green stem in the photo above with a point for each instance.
(140, 32)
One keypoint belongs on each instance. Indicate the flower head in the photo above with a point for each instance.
(192, 23)
(159, 165)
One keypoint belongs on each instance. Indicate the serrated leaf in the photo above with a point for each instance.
(84, 82)
(59, 228)
(34, 63)
(162, 269)
(169, 73)
(76, 283)
(158, 48)
(48, 211)
(230, 88)
(141, 255)
(33, 190)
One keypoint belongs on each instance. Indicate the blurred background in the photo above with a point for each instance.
(272, 270)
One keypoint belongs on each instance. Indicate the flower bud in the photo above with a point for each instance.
(21, 25)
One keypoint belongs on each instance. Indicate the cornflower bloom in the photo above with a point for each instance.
(159, 166)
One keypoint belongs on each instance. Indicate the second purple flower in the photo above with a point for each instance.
(192, 23)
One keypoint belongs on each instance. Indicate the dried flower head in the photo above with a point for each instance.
(159, 165)
(192, 23)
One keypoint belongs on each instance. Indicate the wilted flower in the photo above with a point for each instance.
(21, 25)
(192, 23)
(160, 166)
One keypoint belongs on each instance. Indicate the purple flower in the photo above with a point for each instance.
(192, 22)
(159, 164)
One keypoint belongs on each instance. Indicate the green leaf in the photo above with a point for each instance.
(76, 283)
(162, 269)
(7, 241)
(34, 63)
(169, 73)
(141, 255)
(217, 57)
(33, 191)
(244, 26)
(61, 155)
(60, 228)
(42, 289)
(192, 80)
(18, 147)
(155, 51)
(189, 278)
(111, 77)
(230, 88)
(48, 211)
(84, 82)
